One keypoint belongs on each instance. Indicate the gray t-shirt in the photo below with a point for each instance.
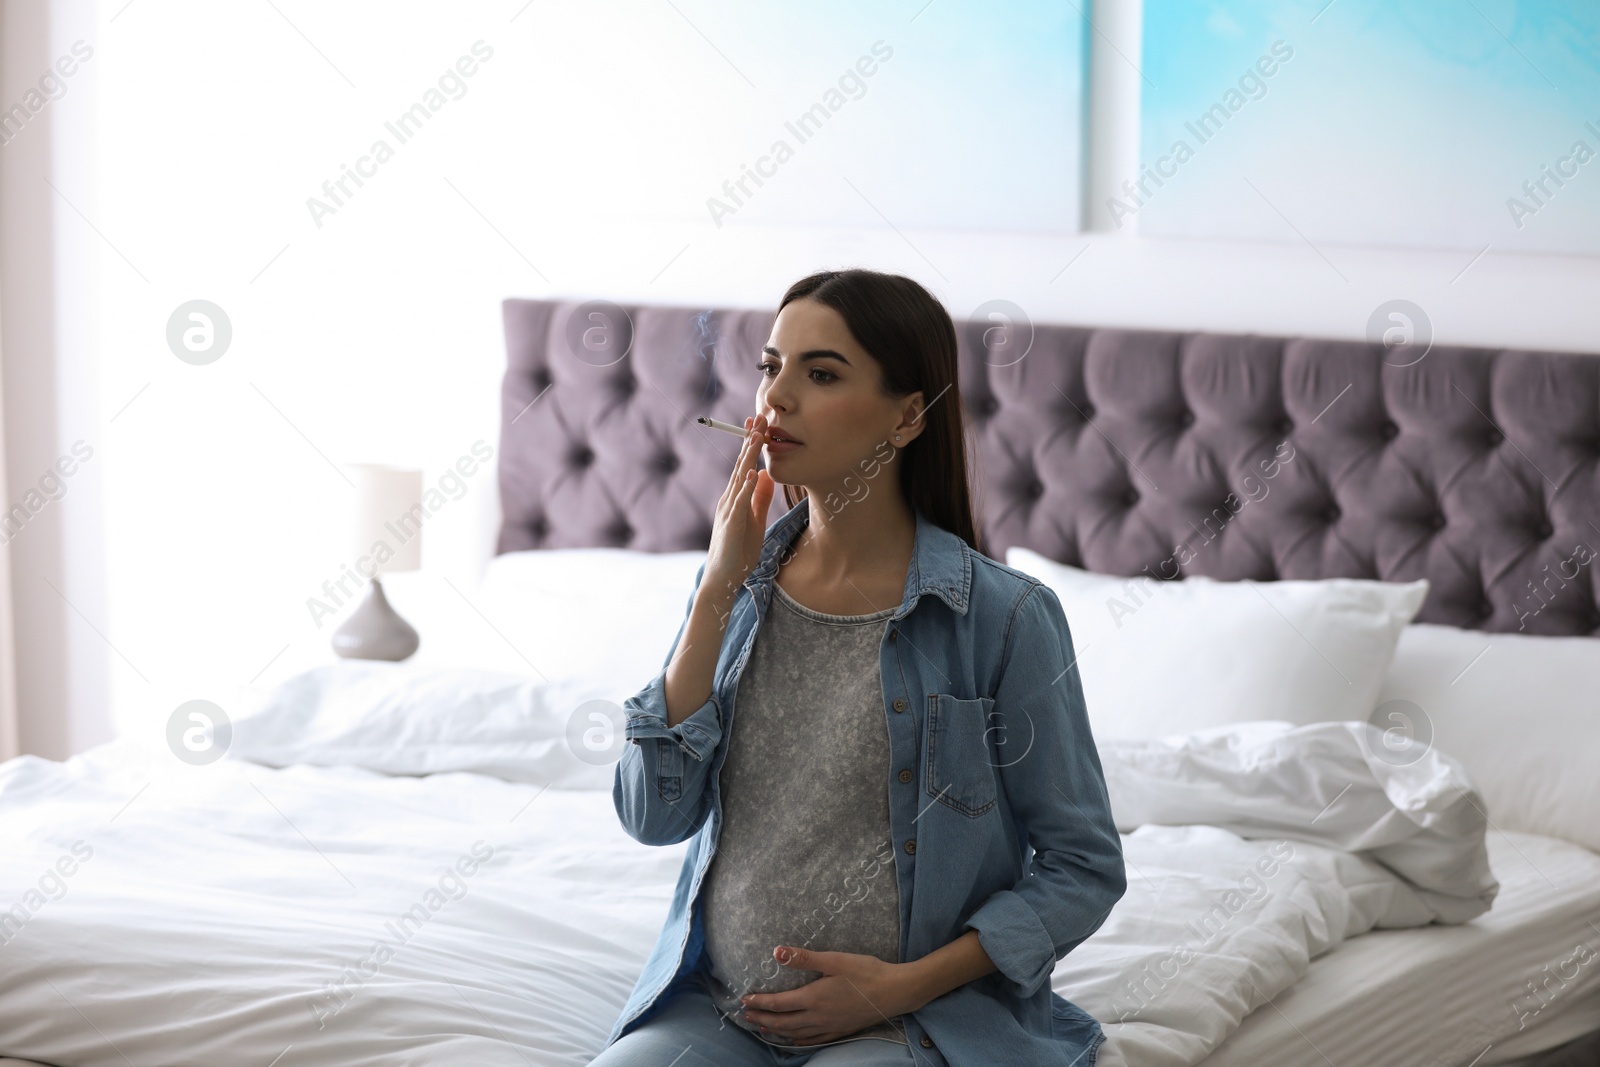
(805, 856)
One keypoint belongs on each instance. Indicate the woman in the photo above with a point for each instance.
(908, 827)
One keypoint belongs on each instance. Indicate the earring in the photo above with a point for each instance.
(897, 437)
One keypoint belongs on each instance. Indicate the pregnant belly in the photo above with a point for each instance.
(841, 903)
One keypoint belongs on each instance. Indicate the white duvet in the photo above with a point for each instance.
(1215, 924)
(235, 913)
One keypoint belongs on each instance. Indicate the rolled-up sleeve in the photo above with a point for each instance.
(1057, 792)
(659, 788)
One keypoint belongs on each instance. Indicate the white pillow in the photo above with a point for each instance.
(534, 697)
(1521, 713)
(404, 718)
(598, 613)
(1161, 658)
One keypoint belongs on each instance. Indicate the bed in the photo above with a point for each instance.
(366, 879)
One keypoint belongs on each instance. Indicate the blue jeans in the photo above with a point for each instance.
(687, 1031)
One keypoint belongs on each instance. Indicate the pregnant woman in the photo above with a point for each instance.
(872, 735)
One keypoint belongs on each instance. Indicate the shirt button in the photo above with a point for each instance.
(893, 634)
(905, 776)
(899, 704)
(927, 1042)
(911, 848)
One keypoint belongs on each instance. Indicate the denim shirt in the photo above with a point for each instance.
(1004, 826)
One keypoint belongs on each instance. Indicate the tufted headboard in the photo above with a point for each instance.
(1118, 451)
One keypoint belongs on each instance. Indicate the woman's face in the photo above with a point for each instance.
(821, 388)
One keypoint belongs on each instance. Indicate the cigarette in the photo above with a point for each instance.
(717, 424)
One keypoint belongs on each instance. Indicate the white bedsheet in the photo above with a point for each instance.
(235, 913)
(223, 906)
(1449, 996)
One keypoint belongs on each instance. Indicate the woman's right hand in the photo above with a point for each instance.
(740, 526)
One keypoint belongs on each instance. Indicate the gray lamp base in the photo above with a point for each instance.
(375, 630)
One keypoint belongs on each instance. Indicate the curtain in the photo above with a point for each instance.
(9, 741)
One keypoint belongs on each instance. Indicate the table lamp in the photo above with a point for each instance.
(387, 539)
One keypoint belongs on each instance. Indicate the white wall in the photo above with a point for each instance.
(377, 336)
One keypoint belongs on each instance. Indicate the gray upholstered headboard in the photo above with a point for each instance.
(1119, 451)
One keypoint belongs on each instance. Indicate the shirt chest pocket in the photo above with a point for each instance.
(960, 772)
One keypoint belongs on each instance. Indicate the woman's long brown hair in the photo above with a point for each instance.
(910, 334)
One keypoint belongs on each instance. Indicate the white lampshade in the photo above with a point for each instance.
(388, 520)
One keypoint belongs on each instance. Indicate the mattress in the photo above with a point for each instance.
(1522, 978)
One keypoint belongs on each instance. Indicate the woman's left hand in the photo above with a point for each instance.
(854, 992)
